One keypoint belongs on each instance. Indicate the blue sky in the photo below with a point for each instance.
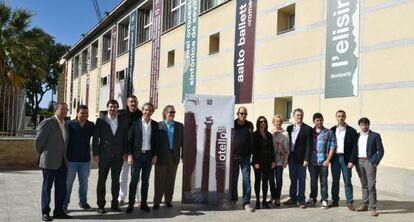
(66, 20)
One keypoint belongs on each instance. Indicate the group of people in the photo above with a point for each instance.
(132, 140)
(302, 147)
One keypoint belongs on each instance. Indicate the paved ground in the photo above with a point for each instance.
(20, 201)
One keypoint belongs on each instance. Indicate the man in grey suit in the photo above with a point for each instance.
(50, 145)
(171, 143)
(370, 152)
(109, 146)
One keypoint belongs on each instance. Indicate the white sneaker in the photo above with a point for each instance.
(248, 208)
(324, 204)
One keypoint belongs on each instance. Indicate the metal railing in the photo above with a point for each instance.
(12, 110)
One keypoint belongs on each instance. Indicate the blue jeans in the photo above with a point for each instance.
(276, 181)
(297, 173)
(142, 162)
(318, 172)
(83, 170)
(338, 165)
(244, 164)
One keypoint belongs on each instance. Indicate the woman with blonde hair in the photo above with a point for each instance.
(281, 152)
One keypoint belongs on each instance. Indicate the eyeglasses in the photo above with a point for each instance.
(242, 114)
(171, 112)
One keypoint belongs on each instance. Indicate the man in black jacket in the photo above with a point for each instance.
(109, 150)
(142, 154)
(300, 136)
(242, 152)
(131, 114)
(344, 159)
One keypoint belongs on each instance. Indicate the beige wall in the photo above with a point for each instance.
(293, 65)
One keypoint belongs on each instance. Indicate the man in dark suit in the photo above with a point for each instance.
(344, 159)
(300, 136)
(370, 152)
(131, 114)
(171, 142)
(109, 150)
(51, 145)
(142, 154)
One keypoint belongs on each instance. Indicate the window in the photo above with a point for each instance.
(171, 58)
(104, 81)
(214, 46)
(94, 55)
(208, 4)
(84, 61)
(283, 106)
(144, 25)
(120, 75)
(123, 36)
(286, 19)
(76, 67)
(174, 11)
(106, 47)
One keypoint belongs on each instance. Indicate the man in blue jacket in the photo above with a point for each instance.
(370, 153)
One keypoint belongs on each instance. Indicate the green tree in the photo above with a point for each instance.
(39, 84)
(15, 42)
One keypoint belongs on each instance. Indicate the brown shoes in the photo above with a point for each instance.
(362, 208)
(350, 207)
(302, 205)
(374, 213)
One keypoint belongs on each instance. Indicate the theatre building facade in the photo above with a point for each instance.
(272, 55)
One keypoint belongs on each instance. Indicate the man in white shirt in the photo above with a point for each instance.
(109, 146)
(51, 147)
(370, 153)
(344, 159)
(142, 154)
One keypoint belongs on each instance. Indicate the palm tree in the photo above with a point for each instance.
(15, 44)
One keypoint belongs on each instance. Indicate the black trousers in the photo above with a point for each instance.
(261, 176)
(58, 177)
(115, 165)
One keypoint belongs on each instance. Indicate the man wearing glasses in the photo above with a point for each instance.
(243, 143)
(171, 143)
(51, 144)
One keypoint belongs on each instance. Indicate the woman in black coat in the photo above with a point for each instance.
(263, 159)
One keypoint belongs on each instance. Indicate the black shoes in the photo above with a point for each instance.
(156, 207)
(129, 209)
(101, 211)
(168, 205)
(46, 217)
(266, 205)
(257, 205)
(62, 216)
(145, 208)
(116, 208)
(86, 206)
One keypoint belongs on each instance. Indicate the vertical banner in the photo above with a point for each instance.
(243, 65)
(190, 46)
(88, 74)
(98, 75)
(131, 58)
(208, 124)
(79, 67)
(72, 71)
(113, 62)
(342, 49)
(155, 57)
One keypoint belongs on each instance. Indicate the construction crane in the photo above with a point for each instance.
(98, 12)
